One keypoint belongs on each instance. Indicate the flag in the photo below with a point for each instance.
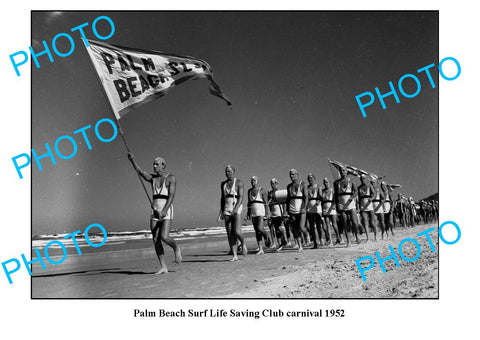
(338, 165)
(132, 77)
(351, 170)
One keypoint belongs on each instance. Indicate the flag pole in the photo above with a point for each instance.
(128, 150)
(118, 123)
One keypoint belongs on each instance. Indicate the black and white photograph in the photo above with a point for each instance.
(239, 169)
(276, 186)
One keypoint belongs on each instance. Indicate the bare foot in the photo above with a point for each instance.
(162, 270)
(300, 250)
(178, 255)
(245, 250)
(260, 252)
(233, 259)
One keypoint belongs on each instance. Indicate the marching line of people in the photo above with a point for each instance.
(310, 212)
(304, 219)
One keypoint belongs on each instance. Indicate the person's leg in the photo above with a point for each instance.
(388, 222)
(348, 225)
(273, 233)
(311, 229)
(165, 236)
(326, 227)
(258, 236)
(381, 224)
(318, 224)
(263, 232)
(364, 219)
(157, 242)
(355, 225)
(232, 240)
(343, 221)
(296, 228)
(281, 237)
(288, 230)
(372, 223)
(303, 230)
(237, 232)
(334, 222)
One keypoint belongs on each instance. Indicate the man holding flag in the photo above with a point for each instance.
(131, 77)
(163, 188)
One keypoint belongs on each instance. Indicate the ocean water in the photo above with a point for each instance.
(126, 240)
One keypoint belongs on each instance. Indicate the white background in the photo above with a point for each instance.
(452, 315)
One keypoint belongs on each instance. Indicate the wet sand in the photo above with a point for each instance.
(127, 271)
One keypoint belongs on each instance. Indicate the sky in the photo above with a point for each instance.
(292, 78)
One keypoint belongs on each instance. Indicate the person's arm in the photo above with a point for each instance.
(382, 197)
(303, 208)
(172, 183)
(287, 203)
(372, 193)
(240, 196)
(249, 203)
(335, 194)
(265, 202)
(137, 168)
(222, 203)
(354, 192)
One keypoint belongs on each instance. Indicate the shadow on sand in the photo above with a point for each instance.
(96, 272)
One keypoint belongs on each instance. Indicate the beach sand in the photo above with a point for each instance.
(127, 271)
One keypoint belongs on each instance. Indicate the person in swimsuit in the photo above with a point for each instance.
(276, 212)
(387, 207)
(328, 210)
(435, 211)
(163, 188)
(231, 210)
(314, 210)
(423, 211)
(410, 212)
(257, 210)
(345, 193)
(400, 210)
(378, 199)
(297, 199)
(365, 193)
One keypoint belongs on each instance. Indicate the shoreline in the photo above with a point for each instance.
(328, 272)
